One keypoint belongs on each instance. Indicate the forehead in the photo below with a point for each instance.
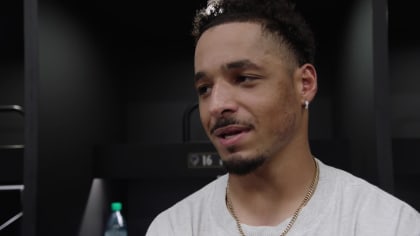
(231, 42)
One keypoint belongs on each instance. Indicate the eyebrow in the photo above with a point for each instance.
(240, 64)
(199, 75)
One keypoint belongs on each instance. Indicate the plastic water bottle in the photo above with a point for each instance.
(116, 225)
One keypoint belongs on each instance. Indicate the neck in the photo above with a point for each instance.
(273, 192)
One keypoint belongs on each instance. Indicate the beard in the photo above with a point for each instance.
(236, 164)
(240, 166)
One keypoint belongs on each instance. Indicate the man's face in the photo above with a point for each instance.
(249, 101)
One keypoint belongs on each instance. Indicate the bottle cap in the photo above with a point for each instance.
(116, 206)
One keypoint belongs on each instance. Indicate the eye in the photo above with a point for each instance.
(245, 79)
(203, 89)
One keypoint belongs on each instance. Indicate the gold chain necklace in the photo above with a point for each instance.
(308, 196)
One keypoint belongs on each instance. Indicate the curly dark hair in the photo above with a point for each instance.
(278, 17)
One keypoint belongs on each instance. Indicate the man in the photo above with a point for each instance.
(255, 79)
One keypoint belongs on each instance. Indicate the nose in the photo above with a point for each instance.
(222, 100)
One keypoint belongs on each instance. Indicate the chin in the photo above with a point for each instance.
(237, 164)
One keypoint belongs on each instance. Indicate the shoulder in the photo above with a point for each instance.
(371, 206)
(358, 190)
(183, 213)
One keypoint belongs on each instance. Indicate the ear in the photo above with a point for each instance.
(307, 82)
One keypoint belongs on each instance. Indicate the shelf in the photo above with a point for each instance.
(135, 161)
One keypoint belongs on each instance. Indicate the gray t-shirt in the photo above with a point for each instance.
(342, 204)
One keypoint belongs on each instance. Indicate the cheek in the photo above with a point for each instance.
(283, 124)
(278, 112)
(274, 105)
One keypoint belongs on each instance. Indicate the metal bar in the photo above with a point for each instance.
(12, 108)
(12, 146)
(11, 220)
(11, 187)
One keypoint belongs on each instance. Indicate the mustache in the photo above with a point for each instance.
(228, 121)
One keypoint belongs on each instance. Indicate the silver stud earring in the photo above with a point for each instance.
(306, 104)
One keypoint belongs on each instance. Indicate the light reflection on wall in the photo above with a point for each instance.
(95, 209)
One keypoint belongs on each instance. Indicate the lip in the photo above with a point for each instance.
(231, 135)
